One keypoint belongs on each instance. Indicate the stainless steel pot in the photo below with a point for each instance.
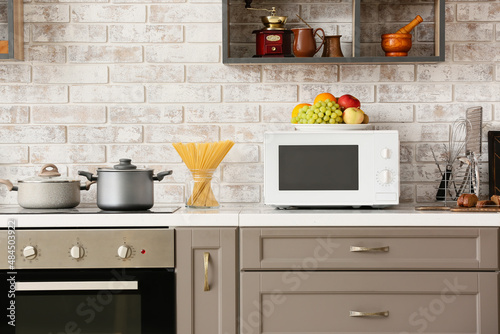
(124, 187)
(48, 190)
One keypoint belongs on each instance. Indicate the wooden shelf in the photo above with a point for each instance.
(13, 47)
(364, 49)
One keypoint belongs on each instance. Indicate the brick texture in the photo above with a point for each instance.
(104, 80)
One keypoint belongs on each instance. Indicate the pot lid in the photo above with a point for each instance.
(125, 165)
(49, 173)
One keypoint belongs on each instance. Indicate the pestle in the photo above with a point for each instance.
(409, 27)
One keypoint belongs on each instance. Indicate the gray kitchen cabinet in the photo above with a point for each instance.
(369, 280)
(206, 278)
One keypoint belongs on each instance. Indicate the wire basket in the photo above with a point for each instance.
(461, 178)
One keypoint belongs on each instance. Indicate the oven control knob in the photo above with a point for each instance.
(29, 252)
(77, 252)
(124, 251)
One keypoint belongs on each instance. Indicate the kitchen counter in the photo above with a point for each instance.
(249, 216)
(393, 216)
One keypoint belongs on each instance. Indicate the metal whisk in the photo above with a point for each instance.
(456, 145)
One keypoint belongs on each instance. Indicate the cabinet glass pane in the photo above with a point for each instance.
(386, 17)
(334, 17)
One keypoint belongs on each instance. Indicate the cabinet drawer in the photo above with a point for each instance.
(384, 302)
(369, 248)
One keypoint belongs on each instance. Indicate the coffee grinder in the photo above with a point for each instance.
(273, 40)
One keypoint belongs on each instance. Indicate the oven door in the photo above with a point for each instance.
(98, 301)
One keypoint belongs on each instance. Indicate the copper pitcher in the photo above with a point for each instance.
(304, 44)
(332, 47)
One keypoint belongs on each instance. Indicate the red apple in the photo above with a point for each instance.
(353, 116)
(348, 101)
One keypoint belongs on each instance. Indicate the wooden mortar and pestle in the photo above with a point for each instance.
(398, 44)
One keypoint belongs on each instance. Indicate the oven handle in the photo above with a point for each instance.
(77, 285)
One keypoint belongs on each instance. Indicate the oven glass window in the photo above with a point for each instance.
(92, 312)
(318, 167)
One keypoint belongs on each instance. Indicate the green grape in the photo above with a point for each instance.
(318, 104)
(319, 120)
(311, 121)
(332, 121)
(328, 112)
(338, 112)
(330, 104)
(316, 110)
(326, 118)
(339, 119)
(327, 101)
(323, 122)
(336, 105)
(321, 115)
(315, 116)
(322, 109)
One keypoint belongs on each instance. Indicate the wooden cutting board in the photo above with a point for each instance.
(492, 209)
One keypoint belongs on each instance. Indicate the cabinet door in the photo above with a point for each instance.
(369, 302)
(206, 280)
(11, 30)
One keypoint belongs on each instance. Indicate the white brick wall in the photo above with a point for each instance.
(107, 80)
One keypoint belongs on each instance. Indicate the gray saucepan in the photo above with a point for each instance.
(125, 187)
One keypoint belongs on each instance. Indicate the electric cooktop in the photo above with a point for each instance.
(83, 209)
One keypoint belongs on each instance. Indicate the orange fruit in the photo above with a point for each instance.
(296, 109)
(325, 96)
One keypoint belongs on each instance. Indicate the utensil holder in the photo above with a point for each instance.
(202, 189)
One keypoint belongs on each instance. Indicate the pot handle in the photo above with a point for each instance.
(161, 175)
(88, 175)
(87, 185)
(49, 170)
(9, 185)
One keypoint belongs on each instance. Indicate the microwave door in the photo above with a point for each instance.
(333, 170)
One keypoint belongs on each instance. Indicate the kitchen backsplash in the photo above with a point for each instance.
(108, 80)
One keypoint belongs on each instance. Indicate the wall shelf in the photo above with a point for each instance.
(12, 30)
(363, 24)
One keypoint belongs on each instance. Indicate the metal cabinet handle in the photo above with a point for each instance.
(368, 314)
(369, 249)
(206, 257)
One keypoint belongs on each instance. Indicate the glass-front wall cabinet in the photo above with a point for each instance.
(11, 29)
(361, 24)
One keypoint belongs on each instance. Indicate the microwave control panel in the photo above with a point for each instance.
(386, 161)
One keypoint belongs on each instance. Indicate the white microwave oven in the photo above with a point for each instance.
(331, 169)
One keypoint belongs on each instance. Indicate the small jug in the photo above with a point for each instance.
(304, 44)
(332, 47)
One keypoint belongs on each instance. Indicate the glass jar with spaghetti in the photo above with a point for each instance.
(202, 189)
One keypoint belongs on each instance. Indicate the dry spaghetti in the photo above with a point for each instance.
(202, 159)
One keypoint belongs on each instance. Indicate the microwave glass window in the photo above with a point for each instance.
(318, 167)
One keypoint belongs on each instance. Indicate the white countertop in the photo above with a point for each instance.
(249, 216)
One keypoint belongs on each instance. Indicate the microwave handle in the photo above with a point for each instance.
(77, 285)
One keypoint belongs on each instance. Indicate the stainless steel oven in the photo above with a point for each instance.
(87, 281)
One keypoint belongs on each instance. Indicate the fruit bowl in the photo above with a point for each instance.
(332, 127)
